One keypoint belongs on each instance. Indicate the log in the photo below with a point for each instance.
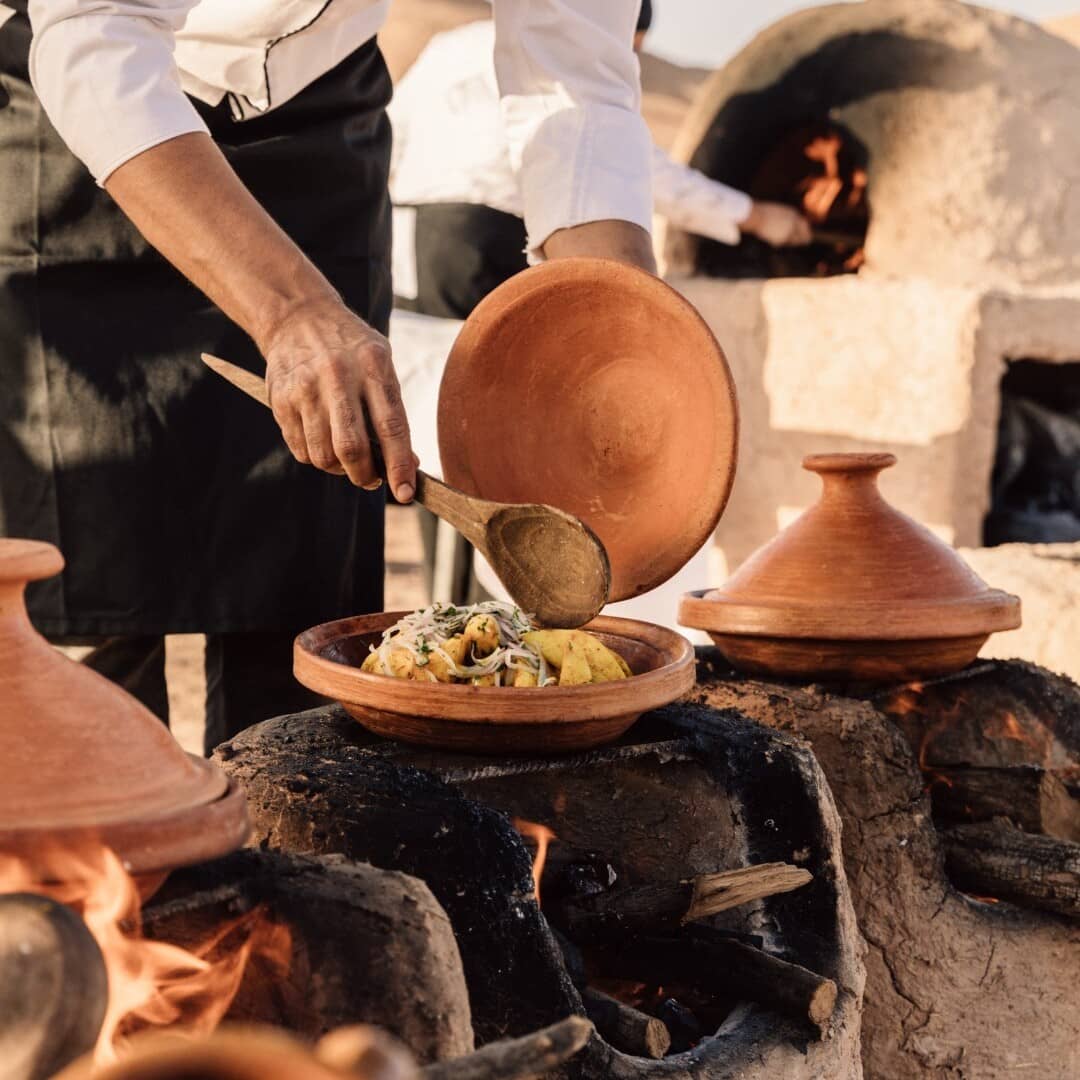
(728, 968)
(362, 944)
(995, 859)
(635, 909)
(518, 1059)
(1031, 797)
(53, 987)
(626, 1028)
(684, 1027)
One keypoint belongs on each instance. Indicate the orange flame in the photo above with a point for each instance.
(151, 983)
(1006, 726)
(820, 192)
(543, 837)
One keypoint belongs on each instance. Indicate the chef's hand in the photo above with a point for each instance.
(326, 368)
(605, 240)
(777, 224)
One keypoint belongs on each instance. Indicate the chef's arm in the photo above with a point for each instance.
(692, 201)
(570, 89)
(324, 365)
(104, 72)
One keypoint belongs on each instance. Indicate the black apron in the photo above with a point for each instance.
(463, 252)
(172, 496)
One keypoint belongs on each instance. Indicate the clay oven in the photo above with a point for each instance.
(946, 136)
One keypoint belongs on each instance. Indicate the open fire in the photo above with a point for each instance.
(150, 983)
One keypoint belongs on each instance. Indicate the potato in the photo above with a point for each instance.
(482, 632)
(438, 667)
(605, 665)
(401, 663)
(523, 678)
(575, 668)
(549, 644)
(457, 648)
(371, 664)
(483, 680)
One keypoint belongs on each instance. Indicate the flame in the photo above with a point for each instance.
(820, 192)
(543, 837)
(151, 983)
(1006, 726)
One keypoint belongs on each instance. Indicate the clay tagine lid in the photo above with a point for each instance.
(594, 387)
(852, 567)
(83, 760)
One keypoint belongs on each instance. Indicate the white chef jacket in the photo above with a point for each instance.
(112, 77)
(449, 144)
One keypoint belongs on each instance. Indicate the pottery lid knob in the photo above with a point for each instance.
(848, 463)
(28, 560)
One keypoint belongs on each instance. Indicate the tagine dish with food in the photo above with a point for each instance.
(492, 643)
(484, 679)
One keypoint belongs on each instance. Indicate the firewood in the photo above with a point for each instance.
(634, 909)
(1029, 796)
(626, 1028)
(518, 1059)
(996, 859)
(685, 1028)
(53, 987)
(729, 968)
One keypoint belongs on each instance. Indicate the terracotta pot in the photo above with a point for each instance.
(493, 719)
(595, 387)
(84, 762)
(852, 589)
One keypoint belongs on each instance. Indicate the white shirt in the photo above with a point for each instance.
(112, 77)
(450, 146)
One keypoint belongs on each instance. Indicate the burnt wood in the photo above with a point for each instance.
(729, 968)
(626, 1028)
(531, 1056)
(362, 944)
(995, 859)
(53, 987)
(639, 908)
(313, 787)
(1031, 797)
(709, 783)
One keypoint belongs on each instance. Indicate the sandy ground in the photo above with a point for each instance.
(184, 652)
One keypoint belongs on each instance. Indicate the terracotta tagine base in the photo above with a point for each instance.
(494, 719)
(85, 764)
(852, 590)
(594, 387)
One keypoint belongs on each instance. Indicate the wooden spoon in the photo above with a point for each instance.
(552, 564)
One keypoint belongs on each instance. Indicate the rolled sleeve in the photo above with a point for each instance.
(571, 99)
(106, 77)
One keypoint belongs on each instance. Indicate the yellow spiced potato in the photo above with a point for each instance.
(490, 644)
(603, 664)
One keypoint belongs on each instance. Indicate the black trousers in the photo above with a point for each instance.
(248, 678)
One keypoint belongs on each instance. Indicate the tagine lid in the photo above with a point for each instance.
(852, 567)
(592, 386)
(82, 757)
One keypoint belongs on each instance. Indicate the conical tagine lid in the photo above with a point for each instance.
(82, 760)
(852, 567)
(595, 387)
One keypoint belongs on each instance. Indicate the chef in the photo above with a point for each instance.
(181, 177)
(459, 229)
